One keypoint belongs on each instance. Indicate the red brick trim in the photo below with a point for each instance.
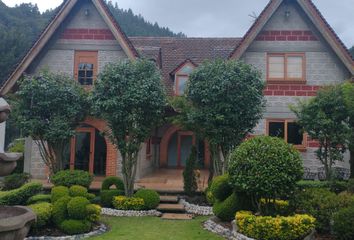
(290, 90)
(87, 34)
(287, 35)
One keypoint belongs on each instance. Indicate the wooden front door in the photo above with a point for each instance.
(82, 153)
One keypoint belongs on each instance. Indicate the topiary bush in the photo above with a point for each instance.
(225, 210)
(59, 192)
(39, 198)
(221, 188)
(343, 224)
(21, 195)
(43, 212)
(73, 226)
(107, 197)
(77, 208)
(78, 191)
(190, 184)
(151, 198)
(265, 167)
(69, 178)
(270, 228)
(16, 180)
(108, 182)
(59, 211)
(124, 203)
(93, 212)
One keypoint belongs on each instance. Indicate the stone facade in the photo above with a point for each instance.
(86, 30)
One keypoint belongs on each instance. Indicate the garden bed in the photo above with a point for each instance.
(55, 234)
(197, 209)
(129, 213)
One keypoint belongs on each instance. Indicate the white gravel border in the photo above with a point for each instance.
(196, 209)
(98, 231)
(123, 213)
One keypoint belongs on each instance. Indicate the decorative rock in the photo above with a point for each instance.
(212, 226)
(97, 231)
(196, 209)
(123, 213)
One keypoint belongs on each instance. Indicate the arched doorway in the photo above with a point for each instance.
(88, 151)
(176, 145)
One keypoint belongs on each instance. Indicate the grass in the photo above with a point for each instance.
(154, 228)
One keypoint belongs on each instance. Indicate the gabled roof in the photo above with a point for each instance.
(170, 52)
(314, 15)
(182, 64)
(51, 28)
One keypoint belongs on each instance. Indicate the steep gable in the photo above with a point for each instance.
(78, 23)
(273, 17)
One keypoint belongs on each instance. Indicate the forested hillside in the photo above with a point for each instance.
(21, 25)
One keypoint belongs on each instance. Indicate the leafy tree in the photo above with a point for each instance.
(224, 103)
(129, 95)
(348, 95)
(48, 107)
(325, 118)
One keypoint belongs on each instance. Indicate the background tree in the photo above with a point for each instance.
(48, 107)
(190, 185)
(226, 102)
(348, 95)
(130, 96)
(352, 51)
(325, 118)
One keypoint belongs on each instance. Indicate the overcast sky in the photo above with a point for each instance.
(221, 18)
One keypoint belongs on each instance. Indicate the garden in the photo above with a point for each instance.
(255, 188)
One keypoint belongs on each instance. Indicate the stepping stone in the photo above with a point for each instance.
(163, 207)
(177, 216)
(168, 199)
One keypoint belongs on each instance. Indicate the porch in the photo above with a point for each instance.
(161, 180)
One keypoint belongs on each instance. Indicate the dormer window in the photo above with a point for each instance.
(182, 74)
(85, 67)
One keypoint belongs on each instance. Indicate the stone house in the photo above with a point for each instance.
(290, 43)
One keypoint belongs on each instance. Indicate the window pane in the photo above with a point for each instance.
(89, 66)
(276, 129)
(81, 66)
(295, 135)
(89, 74)
(276, 67)
(182, 83)
(295, 67)
(81, 74)
(186, 70)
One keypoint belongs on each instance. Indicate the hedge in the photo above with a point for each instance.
(21, 195)
(151, 198)
(43, 212)
(270, 228)
(69, 178)
(124, 203)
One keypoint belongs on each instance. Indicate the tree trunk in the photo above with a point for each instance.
(129, 167)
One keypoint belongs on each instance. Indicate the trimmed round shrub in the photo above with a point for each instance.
(20, 195)
(93, 212)
(108, 182)
(90, 196)
(77, 191)
(343, 224)
(69, 178)
(59, 192)
(77, 208)
(73, 226)
(226, 210)
(59, 210)
(43, 212)
(108, 195)
(39, 198)
(151, 198)
(221, 188)
(265, 167)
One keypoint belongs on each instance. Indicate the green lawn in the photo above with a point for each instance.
(154, 228)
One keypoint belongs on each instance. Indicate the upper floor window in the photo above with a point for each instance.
(85, 67)
(182, 76)
(288, 130)
(286, 67)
